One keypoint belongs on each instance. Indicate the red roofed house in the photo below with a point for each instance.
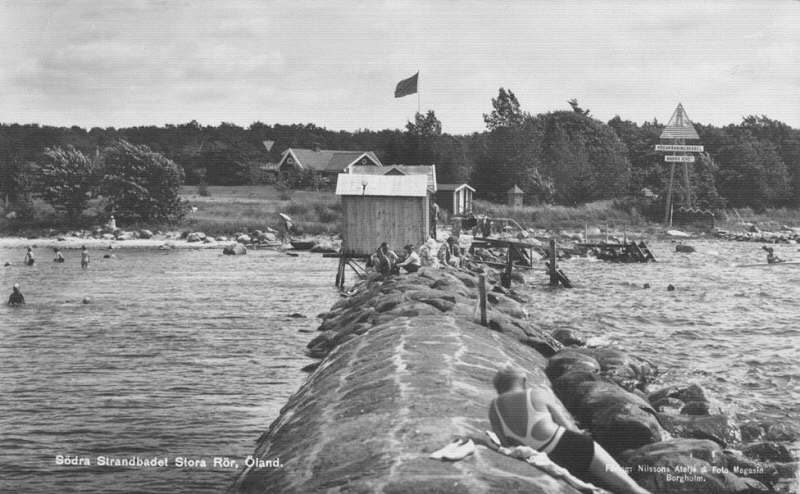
(326, 163)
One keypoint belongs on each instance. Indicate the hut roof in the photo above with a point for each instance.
(328, 160)
(454, 187)
(382, 185)
(428, 170)
(515, 190)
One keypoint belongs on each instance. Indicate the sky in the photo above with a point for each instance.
(336, 63)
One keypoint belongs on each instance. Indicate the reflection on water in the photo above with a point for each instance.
(192, 354)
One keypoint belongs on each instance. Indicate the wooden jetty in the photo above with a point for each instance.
(620, 252)
(520, 255)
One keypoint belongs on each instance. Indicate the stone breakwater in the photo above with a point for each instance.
(406, 368)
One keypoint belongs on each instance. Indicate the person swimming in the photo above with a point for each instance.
(771, 257)
(59, 256)
(16, 297)
(84, 257)
(525, 416)
(29, 260)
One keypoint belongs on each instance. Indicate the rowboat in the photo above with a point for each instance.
(774, 264)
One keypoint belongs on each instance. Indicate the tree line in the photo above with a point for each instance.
(563, 157)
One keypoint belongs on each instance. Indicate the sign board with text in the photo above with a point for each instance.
(679, 159)
(679, 147)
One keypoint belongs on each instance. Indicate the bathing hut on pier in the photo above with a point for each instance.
(456, 199)
(382, 208)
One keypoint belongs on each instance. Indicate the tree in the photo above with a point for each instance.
(421, 137)
(584, 157)
(141, 184)
(67, 180)
(506, 111)
(751, 173)
(577, 109)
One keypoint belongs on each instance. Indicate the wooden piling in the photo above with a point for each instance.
(482, 297)
(553, 268)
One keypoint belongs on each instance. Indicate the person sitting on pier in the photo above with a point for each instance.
(451, 252)
(59, 256)
(771, 257)
(384, 259)
(16, 297)
(412, 262)
(526, 416)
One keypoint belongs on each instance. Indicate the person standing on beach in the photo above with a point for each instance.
(84, 257)
(16, 297)
(29, 260)
(59, 257)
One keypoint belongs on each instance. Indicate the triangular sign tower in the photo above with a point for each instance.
(679, 126)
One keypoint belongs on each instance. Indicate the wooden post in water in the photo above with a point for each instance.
(482, 297)
(553, 268)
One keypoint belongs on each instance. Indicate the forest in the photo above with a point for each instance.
(561, 157)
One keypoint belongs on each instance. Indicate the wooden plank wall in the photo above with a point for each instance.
(368, 221)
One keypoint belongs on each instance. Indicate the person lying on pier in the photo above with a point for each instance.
(526, 416)
(16, 297)
(412, 262)
(771, 257)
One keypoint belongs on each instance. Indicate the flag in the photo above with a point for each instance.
(406, 86)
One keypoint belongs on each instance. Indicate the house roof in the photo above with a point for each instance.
(350, 184)
(328, 160)
(515, 190)
(454, 187)
(428, 170)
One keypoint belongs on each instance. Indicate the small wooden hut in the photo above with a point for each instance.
(382, 208)
(515, 196)
(455, 198)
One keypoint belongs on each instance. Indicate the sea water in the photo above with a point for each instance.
(182, 358)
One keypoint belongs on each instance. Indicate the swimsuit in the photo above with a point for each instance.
(513, 419)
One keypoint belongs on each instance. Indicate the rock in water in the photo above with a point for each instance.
(568, 337)
(243, 239)
(86, 300)
(196, 237)
(236, 249)
(686, 249)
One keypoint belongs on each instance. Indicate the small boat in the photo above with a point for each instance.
(302, 245)
(764, 264)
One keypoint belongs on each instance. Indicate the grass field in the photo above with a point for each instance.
(225, 210)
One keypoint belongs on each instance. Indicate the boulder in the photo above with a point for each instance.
(686, 466)
(235, 249)
(195, 237)
(626, 370)
(569, 360)
(768, 452)
(718, 428)
(243, 239)
(324, 247)
(145, 233)
(569, 337)
(686, 249)
(618, 419)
